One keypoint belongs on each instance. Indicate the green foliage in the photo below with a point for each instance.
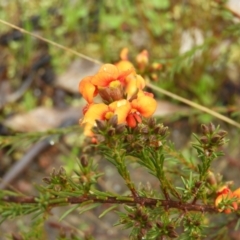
(149, 213)
(182, 204)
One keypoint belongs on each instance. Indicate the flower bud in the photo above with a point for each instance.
(145, 217)
(111, 132)
(204, 140)
(120, 128)
(204, 129)
(211, 178)
(47, 180)
(159, 224)
(173, 234)
(156, 66)
(113, 121)
(216, 138)
(145, 130)
(129, 138)
(222, 133)
(151, 122)
(211, 128)
(101, 124)
(53, 174)
(62, 171)
(84, 160)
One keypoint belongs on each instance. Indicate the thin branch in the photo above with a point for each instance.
(149, 202)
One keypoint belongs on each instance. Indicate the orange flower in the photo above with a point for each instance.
(124, 65)
(236, 193)
(142, 60)
(225, 194)
(143, 106)
(124, 54)
(135, 83)
(87, 89)
(109, 73)
(108, 82)
(102, 111)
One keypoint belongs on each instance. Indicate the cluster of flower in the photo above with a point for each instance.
(116, 90)
(227, 200)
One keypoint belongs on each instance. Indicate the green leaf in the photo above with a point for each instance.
(107, 210)
(87, 208)
(68, 212)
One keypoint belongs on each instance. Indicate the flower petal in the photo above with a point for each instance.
(237, 193)
(87, 89)
(134, 84)
(121, 109)
(110, 69)
(95, 111)
(102, 79)
(145, 105)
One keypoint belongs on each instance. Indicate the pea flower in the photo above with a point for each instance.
(108, 83)
(225, 194)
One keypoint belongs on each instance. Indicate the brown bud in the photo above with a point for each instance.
(137, 129)
(47, 180)
(198, 184)
(204, 129)
(62, 171)
(145, 217)
(83, 179)
(143, 232)
(173, 234)
(111, 132)
(129, 138)
(113, 121)
(151, 122)
(145, 130)
(216, 138)
(131, 215)
(120, 128)
(149, 225)
(211, 178)
(157, 129)
(163, 131)
(211, 128)
(222, 133)
(170, 228)
(84, 160)
(101, 124)
(53, 174)
(159, 224)
(204, 140)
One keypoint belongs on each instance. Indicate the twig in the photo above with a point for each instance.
(149, 202)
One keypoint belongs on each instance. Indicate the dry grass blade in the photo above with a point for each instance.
(195, 105)
(50, 42)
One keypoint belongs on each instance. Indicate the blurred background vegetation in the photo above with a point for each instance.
(196, 41)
